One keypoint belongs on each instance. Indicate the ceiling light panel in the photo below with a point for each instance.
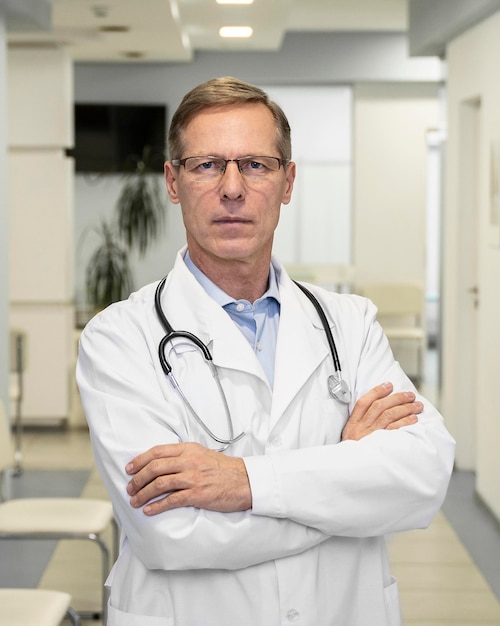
(237, 32)
(202, 20)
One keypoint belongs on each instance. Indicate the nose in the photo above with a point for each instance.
(232, 184)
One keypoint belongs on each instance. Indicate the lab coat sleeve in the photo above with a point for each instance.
(389, 481)
(127, 414)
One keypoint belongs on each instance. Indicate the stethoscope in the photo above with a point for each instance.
(337, 386)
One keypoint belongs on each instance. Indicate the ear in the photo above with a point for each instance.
(290, 172)
(171, 179)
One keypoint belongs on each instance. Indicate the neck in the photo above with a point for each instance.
(240, 279)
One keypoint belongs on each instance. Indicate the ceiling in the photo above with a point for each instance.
(173, 30)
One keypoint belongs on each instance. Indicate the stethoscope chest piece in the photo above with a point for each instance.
(338, 388)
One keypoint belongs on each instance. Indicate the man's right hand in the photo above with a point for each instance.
(380, 409)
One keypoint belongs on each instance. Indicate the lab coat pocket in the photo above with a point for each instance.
(391, 598)
(119, 618)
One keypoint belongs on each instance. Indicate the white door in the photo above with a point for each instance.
(461, 385)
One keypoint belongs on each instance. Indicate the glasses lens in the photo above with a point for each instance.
(204, 168)
(259, 166)
(207, 168)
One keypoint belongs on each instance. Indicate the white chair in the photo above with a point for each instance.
(401, 312)
(35, 607)
(54, 518)
(334, 276)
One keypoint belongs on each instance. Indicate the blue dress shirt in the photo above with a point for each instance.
(258, 321)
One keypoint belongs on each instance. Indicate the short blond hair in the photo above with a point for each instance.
(225, 91)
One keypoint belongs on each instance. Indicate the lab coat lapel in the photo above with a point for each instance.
(301, 346)
(189, 308)
(230, 349)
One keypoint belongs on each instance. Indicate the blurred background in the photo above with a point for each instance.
(395, 114)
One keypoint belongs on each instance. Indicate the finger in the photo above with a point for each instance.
(396, 413)
(178, 490)
(392, 403)
(409, 420)
(366, 401)
(378, 407)
(159, 506)
(172, 500)
(382, 413)
(161, 486)
(163, 483)
(156, 452)
(153, 471)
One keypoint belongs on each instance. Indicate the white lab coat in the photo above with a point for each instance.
(312, 550)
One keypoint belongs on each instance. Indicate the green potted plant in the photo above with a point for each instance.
(140, 216)
(140, 207)
(108, 277)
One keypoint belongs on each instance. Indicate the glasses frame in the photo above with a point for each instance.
(281, 162)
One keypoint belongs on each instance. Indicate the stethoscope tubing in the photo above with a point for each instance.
(338, 388)
(326, 325)
(167, 369)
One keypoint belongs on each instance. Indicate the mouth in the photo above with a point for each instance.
(231, 220)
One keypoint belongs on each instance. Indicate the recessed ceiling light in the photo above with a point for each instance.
(236, 31)
(234, 1)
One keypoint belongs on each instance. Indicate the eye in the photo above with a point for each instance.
(253, 166)
(204, 165)
(209, 165)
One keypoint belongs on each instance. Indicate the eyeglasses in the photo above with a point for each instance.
(210, 168)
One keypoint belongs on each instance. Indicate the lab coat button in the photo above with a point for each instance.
(292, 615)
(275, 442)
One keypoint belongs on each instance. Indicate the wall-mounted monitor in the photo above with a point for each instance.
(111, 138)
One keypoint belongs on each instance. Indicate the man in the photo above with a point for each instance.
(271, 509)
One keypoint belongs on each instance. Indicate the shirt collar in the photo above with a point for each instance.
(220, 296)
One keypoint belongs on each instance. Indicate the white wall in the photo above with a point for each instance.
(390, 179)
(316, 226)
(4, 241)
(391, 122)
(40, 204)
(473, 80)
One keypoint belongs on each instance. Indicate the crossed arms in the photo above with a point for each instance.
(171, 476)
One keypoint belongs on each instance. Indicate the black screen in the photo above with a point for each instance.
(112, 137)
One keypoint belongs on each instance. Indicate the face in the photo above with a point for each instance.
(231, 218)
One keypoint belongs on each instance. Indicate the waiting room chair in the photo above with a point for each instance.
(333, 276)
(54, 518)
(35, 607)
(401, 312)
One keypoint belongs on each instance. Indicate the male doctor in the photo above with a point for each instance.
(272, 510)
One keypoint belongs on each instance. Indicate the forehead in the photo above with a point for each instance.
(248, 127)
